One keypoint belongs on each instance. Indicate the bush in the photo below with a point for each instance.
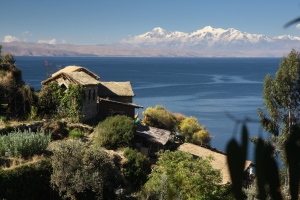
(76, 134)
(27, 181)
(193, 132)
(136, 168)
(201, 137)
(115, 132)
(83, 173)
(180, 176)
(25, 143)
(159, 117)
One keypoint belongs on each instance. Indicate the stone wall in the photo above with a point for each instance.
(32, 126)
(89, 107)
(38, 126)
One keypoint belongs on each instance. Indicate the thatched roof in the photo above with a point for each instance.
(112, 89)
(122, 103)
(219, 162)
(153, 134)
(73, 68)
(76, 75)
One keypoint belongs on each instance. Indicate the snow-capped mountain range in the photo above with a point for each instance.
(210, 38)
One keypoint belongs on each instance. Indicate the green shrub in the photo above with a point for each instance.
(115, 132)
(24, 144)
(28, 181)
(180, 176)
(193, 132)
(136, 168)
(76, 134)
(83, 173)
(159, 117)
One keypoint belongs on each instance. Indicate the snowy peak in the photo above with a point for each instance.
(286, 37)
(209, 38)
(155, 33)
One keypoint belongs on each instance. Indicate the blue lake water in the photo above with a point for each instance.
(210, 89)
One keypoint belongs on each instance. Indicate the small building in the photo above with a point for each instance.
(149, 140)
(219, 160)
(116, 98)
(99, 98)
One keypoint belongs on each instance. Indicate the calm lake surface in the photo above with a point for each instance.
(210, 89)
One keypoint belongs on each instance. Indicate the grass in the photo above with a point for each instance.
(76, 134)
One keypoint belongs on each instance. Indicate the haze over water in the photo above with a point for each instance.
(209, 89)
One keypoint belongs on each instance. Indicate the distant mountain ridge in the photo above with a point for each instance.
(206, 42)
(210, 38)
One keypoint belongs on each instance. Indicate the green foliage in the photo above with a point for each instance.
(136, 168)
(159, 117)
(268, 183)
(76, 134)
(83, 173)
(193, 132)
(180, 176)
(282, 100)
(48, 99)
(25, 143)
(16, 93)
(28, 181)
(115, 132)
(54, 101)
(71, 102)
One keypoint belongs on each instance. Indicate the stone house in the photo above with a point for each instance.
(99, 98)
(116, 98)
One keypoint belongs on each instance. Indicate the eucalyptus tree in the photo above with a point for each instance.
(282, 101)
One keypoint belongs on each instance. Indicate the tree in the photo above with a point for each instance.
(282, 101)
(115, 132)
(160, 117)
(84, 173)
(136, 168)
(193, 132)
(13, 91)
(180, 176)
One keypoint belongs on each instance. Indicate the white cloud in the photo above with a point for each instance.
(63, 41)
(53, 41)
(10, 38)
(298, 26)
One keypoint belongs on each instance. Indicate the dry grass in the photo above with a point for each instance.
(15, 123)
(17, 162)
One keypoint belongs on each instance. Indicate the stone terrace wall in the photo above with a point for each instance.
(33, 126)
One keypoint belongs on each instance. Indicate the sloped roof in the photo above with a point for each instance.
(111, 89)
(82, 78)
(77, 75)
(122, 103)
(153, 134)
(219, 161)
(74, 68)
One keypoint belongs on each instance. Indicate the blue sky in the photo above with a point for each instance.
(106, 21)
